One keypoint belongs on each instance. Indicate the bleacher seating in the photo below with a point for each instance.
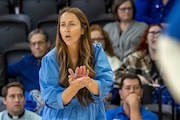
(16, 52)
(14, 28)
(49, 24)
(92, 8)
(4, 7)
(102, 19)
(38, 9)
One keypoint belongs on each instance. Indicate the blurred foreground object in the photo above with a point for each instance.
(168, 52)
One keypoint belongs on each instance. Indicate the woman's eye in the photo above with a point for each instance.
(62, 25)
(72, 24)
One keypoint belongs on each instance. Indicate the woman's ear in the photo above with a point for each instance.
(4, 100)
(120, 94)
(82, 32)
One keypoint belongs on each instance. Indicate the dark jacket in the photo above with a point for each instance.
(3, 71)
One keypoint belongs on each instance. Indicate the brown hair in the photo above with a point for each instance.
(116, 5)
(38, 31)
(143, 44)
(86, 54)
(108, 45)
(9, 85)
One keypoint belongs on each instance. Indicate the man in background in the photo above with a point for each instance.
(26, 70)
(13, 98)
(130, 93)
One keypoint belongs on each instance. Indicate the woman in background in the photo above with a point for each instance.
(143, 63)
(99, 35)
(125, 33)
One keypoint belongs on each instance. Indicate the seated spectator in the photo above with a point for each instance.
(142, 62)
(131, 91)
(98, 35)
(125, 32)
(153, 11)
(27, 69)
(14, 99)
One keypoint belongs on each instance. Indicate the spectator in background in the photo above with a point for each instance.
(153, 11)
(99, 35)
(130, 92)
(125, 33)
(27, 69)
(3, 71)
(142, 62)
(75, 76)
(14, 99)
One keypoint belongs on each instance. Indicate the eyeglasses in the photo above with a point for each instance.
(33, 44)
(154, 32)
(97, 39)
(125, 8)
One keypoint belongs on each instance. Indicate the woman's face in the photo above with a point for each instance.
(97, 37)
(152, 36)
(70, 29)
(125, 11)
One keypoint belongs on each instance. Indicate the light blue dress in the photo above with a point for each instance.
(52, 91)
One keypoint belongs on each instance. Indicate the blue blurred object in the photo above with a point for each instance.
(34, 101)
(166, 97)
(30, 103)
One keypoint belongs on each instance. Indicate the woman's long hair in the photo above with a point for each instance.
(86, 55)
